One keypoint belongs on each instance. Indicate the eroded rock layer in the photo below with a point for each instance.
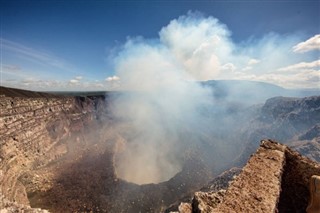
(32, 134)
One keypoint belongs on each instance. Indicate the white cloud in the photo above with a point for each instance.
(74, 81)
(247, 68)
(303, 79)
(253, 61)
(312, 43)
(228, 67)
(37, 84)
(301, 66)
(112, 78)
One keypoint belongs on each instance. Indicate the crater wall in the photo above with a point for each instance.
(32, 130)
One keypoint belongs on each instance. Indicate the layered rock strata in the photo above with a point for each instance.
(32, 131)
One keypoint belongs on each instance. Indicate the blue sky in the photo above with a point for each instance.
(85, 45)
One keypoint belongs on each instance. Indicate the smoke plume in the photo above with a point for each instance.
(167, 101)
(166, 108)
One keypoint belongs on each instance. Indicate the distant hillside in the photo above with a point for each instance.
(12, 92)
(78, 93)
(293, 121)
(252, 92)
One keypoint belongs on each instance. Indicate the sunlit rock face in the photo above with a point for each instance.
(35, 130)
(271, 179)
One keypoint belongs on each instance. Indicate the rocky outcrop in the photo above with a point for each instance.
(295, 182)
(32, 129)
(7, 206)
(215, 188)
(258, 186)
(275, 179)
(207, 201)
(283, 119)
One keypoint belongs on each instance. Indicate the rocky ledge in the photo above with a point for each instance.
(275, 179)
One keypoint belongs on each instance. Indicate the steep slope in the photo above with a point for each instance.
(33, 129)
(284, 119)
(275, 179)
(308, 144)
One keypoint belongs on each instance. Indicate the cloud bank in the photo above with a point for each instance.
(200, 46)
(302, 65)
(308, 45)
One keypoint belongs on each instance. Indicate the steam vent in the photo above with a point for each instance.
(59, 153)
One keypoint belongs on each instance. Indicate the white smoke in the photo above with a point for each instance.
(198, 44)
(164, 103)
(167, 99)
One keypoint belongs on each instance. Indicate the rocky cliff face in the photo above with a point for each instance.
(33, 128)
(275, 179)
(292, 121)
